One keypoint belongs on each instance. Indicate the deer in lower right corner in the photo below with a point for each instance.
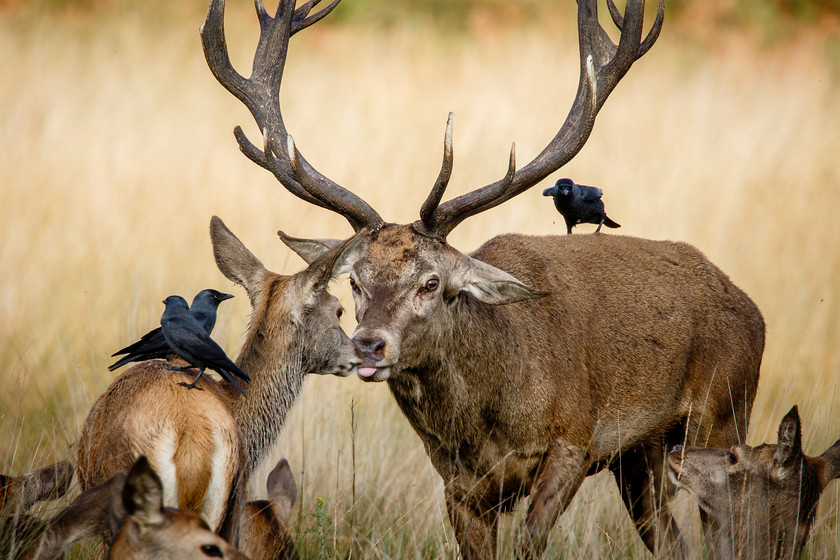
(762, 500)
(204, 444)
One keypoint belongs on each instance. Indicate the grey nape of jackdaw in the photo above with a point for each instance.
(152, 345)
(188, 339)
(579, 204)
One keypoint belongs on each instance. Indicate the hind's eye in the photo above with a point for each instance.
(732, 458)
(354, 286)
(432, 284)
(339, 313)
(212, 550)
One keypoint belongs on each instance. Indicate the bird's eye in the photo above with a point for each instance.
(354, 286)
(432, 284)
(732, 458)
(339, 313)
(212, 550)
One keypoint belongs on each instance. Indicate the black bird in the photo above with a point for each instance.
(579, 204)
(186, 337)
(153, 345)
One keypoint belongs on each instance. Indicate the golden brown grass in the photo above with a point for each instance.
(116, 148)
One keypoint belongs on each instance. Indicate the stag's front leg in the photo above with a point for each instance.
(560, 476)
(475, 533)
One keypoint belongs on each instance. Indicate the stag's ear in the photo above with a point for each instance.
(789, 447)
(143, 494)
(282, 492)
(338, 260)
(235, 261)
(489, 284)
(309, 249)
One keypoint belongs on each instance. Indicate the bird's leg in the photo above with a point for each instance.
(599, 226)
(181, 368)
(192, 385)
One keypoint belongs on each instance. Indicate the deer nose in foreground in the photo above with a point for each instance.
(373, 349)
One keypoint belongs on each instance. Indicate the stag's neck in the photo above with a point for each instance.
(276, 380)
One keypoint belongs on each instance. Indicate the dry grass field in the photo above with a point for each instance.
(116, 149)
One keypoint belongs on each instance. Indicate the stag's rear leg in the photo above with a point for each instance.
(646, 491)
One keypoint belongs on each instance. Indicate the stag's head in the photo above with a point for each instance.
(404, 276)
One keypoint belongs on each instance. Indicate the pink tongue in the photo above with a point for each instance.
(366, 371)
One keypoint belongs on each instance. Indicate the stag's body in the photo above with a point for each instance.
(634, 338)
(203, 444)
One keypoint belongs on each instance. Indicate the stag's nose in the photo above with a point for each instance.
(371, 347)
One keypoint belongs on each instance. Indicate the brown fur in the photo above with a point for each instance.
(19, 531)
(294, 329)
(635, 341)
(762, 500)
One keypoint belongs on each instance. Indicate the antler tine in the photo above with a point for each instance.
(432, 201)
(602, 65)
(261, 95)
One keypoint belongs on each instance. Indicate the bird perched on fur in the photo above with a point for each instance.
(153, 345)
(579, 204)
(188, 339)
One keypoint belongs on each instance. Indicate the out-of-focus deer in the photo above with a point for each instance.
(762, 500)
(204, 443)
(128, 509)
(534, 361)
(20, 531)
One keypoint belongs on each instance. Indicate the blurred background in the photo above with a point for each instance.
(116, 149)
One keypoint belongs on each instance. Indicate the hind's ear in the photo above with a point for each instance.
(789, 447)
(235, 261)
(143, 494)
(282, 492)
(832, 463)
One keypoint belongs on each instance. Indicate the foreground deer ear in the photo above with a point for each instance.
(309, 249)
(143, 494)
(789, 447)
(832, 463)
(282, 491)
(234, 260)
(489, 284)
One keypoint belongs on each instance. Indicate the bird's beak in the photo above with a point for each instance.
(549, 192)
(223, 297)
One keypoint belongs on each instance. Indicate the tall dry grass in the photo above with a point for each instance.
(116, 148)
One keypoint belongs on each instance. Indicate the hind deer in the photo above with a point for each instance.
(205, 443)
(130, 508)
(20, 531)
(761, 499)
(534, 361)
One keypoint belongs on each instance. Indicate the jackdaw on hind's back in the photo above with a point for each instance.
(186, 337)
(152, 345)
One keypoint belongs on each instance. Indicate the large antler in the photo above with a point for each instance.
(602, 65)
(261, 94)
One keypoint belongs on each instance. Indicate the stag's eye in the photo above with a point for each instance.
(432, 284)
(354, 286)
(339, 313)
(212, 550)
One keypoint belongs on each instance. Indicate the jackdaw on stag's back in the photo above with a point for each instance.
(188, 339)
(152, 345)
(579, 204)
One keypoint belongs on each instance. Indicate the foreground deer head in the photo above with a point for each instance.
(204, 443)
(533, 361)
(762, 499)
(130, 508)
(19, 531)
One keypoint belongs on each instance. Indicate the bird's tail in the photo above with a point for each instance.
(609, 223)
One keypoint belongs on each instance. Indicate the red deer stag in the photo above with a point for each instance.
(762, 499)
(204, 443)
(534, 361)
